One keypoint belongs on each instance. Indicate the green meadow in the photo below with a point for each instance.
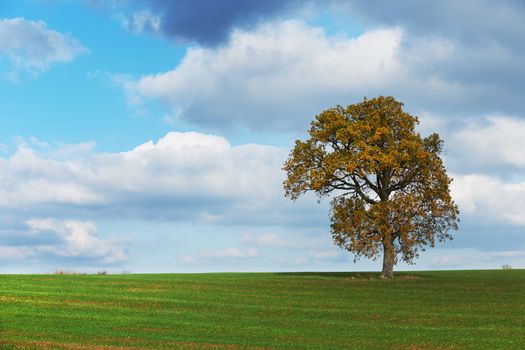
(415, 310)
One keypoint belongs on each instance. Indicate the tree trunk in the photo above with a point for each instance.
(388, 260)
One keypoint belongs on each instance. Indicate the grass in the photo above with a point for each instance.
(417, 310)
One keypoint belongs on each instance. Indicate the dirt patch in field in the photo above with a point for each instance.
(21, 299)
(157, 330)
(89, 302)
(144, 290)
(428, 347)
(190, 345)
(8, 298)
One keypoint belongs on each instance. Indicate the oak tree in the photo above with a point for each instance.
(390, 190)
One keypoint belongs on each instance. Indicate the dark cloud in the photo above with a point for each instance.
(209, 22)
(485, 39)
(473, 22)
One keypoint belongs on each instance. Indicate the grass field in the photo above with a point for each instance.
(419, 310)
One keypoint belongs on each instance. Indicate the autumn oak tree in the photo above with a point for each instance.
(390, 190)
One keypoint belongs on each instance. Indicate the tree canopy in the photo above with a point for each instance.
(390, 190)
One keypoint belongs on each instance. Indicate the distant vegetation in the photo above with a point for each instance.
(416, 310)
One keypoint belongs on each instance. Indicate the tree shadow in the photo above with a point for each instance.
(365, 275)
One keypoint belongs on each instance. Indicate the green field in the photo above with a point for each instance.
(417, 310)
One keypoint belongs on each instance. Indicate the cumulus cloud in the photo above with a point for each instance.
(181, 177)
(276, 77)
(281, 74)
(490, 199)
(278, 74)
(482, 37)
(60, 241)
(32, 46)
(493, 143)
(198, 178)
(486, 159)
(29, 179)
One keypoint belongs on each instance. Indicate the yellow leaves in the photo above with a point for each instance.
(317, 177)
(391, 182)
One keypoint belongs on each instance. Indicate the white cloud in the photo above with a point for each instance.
(32, 46)
(480, 55)
(489, 198)
(193, 164)
(194, 177)
(78, 240)
(141, 22)
(274, 76)
(486, 161)
(29, 179)
(197, 177)
(63, 241)
(281, 74)
(14, 253)
(497, 141)
(267, 239)
(181, 177)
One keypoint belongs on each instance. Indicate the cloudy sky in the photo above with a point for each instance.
(149, 135)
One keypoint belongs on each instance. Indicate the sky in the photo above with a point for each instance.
(148, 136)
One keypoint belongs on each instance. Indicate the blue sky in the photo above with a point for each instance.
(148, 135)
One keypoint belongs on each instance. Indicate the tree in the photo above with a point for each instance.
(389, 185)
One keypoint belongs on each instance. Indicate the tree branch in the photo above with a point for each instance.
(361, 193)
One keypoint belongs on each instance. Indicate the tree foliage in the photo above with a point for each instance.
(389, 185)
